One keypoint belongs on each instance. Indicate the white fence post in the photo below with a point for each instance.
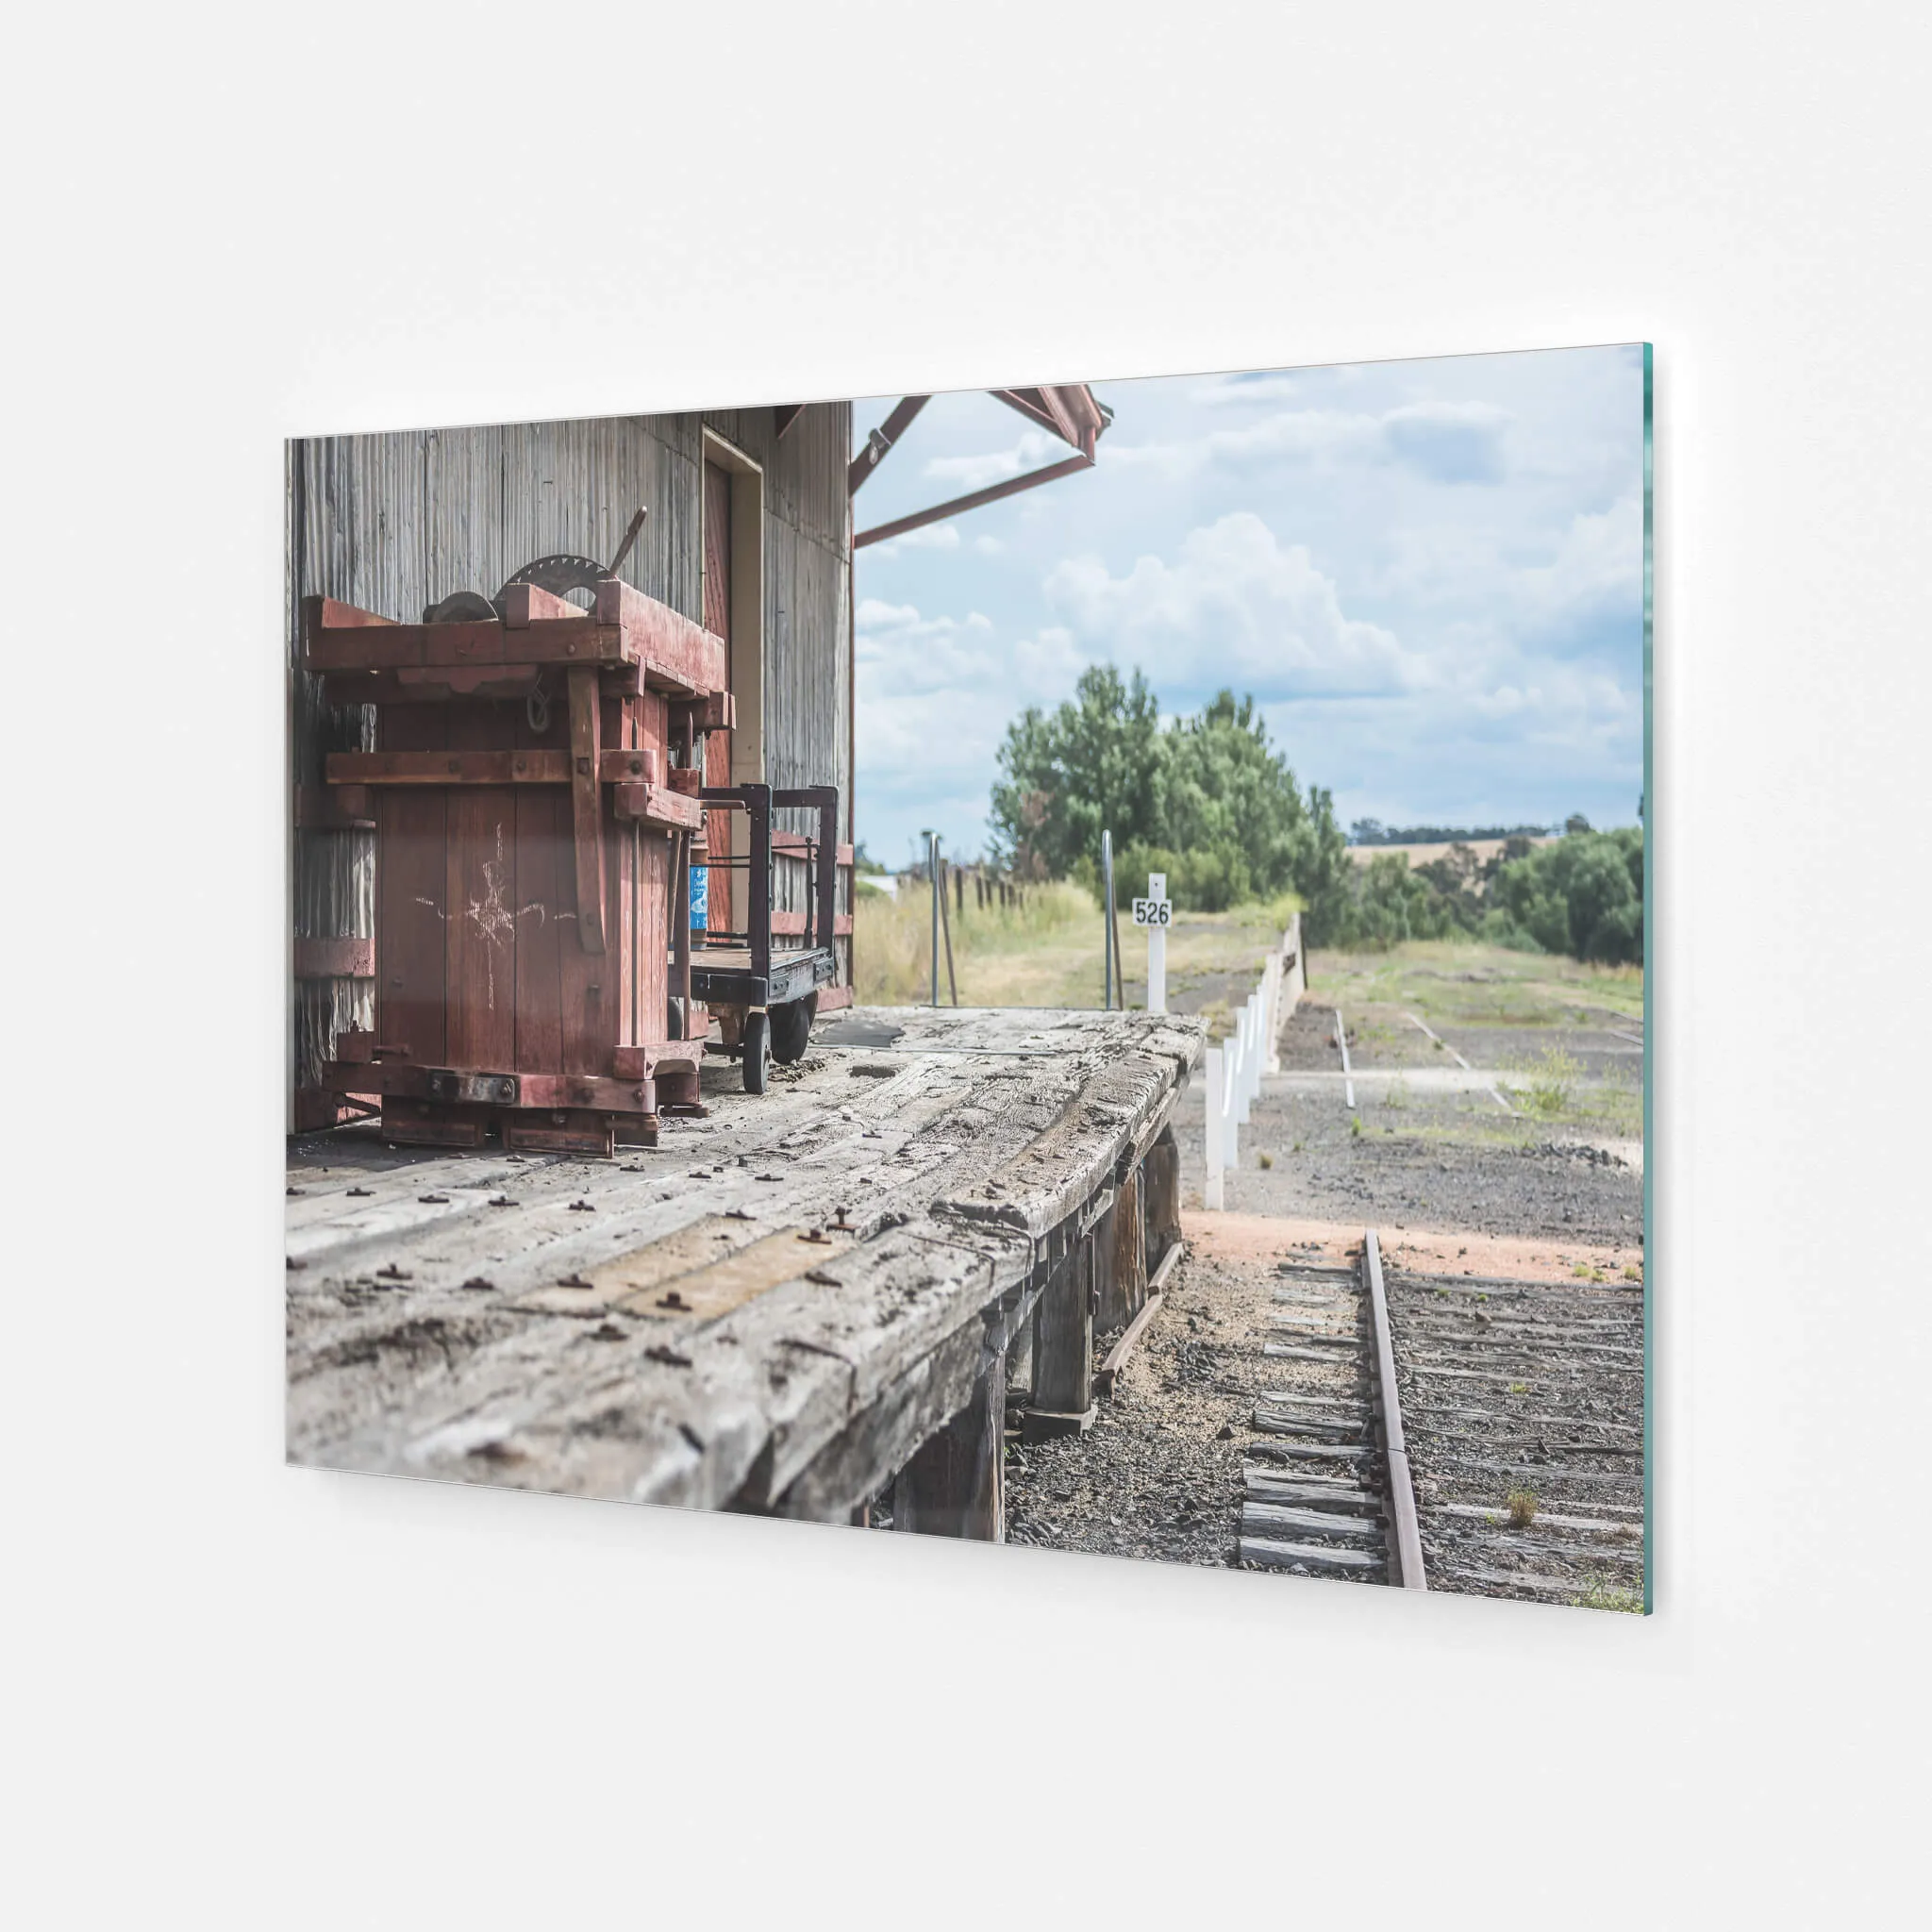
(1230, 1105)
(1237, 1083)
(1211, 1195)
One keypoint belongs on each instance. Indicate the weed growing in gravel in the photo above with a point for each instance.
(1264, 1159)
(1519, 1388)
(1355, 1127)
(1552, 1079)
(1520, 1507)
(1397, 1095)
(1633, 1274)
(1607, 1596)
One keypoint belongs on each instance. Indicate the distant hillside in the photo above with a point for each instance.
(1373, 832)
(1485, 848)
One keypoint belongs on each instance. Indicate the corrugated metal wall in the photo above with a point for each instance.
(393, 523)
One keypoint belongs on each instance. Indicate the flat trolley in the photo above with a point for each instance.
(761, 982)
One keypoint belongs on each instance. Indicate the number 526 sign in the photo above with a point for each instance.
(1156, 908)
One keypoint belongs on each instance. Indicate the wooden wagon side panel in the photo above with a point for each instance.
(480, 906)
(413, 883)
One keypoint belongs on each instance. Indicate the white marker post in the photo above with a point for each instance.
(1244, 1033)
(1154, 913)
(1212, 1085)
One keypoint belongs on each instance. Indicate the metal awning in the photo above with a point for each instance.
(1069, 410)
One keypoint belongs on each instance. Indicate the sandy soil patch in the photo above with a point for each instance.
(1424, 1251)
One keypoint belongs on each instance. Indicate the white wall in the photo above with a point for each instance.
(245, 1696)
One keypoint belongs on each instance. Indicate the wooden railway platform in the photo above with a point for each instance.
(790, 1306)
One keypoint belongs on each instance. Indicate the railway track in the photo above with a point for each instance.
(1328, 1490)
(1451, 1433)
(1523, 1405)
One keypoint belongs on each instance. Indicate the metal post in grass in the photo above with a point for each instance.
(1107, 920)
(946, 933)
(932, 873)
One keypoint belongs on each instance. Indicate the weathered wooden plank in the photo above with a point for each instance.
(577, 639)
(1311, 1492)
(676, 654)
(1162, 1180)
(804, 1399)
(658, 805)
(541, 896)
(1289, 1523)
(335, 958)
(333, 808)
(469, 765)
(1117, 1356)
(1319, 1559)
(1063, 1348)
(481, 901)
(525, 603)
(412, 882)
(955, 1484)
(586, 809)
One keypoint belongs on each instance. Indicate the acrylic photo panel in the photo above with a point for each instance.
(1061, 965)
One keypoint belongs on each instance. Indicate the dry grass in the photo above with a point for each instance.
(1520, 1507)
(1466, 983)
(1047, 953)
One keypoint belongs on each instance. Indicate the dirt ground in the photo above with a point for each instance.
(1160, 1475)
(1422, 1156)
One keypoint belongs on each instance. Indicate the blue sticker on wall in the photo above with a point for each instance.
(700, 897)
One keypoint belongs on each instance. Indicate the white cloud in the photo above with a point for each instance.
(938, 693)
(964, 474)
(1444, 442)
(1449, 443)
(1235, 608)
(927, 537)
(1270, 388)
(1598, 564)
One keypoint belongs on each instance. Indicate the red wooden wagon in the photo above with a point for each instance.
(527, 821)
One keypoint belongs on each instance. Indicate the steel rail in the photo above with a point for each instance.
(1409, 1534)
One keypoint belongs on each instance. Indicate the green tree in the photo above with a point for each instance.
(1210, 801)
(1582, 895)
(1092, 763)
(1229, 793)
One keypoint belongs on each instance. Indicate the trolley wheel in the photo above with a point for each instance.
(758, 1051)
(792, 1028)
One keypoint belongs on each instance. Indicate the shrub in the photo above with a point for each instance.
(1582, 895)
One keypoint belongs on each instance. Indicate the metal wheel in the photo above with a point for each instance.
(758, 1051)
(792, 1028)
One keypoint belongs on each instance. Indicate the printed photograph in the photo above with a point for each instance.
(1061, 965)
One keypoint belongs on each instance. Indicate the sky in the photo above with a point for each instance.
(1429, 574)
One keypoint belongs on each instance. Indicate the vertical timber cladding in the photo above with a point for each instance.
(804, 718)
(721, 831)
(393, 523)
